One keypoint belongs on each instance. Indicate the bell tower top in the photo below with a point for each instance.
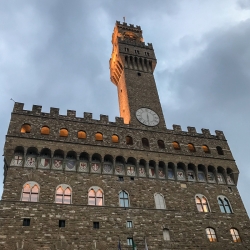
(131, 69)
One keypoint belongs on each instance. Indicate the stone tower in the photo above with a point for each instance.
(79, 183)
(131, 69)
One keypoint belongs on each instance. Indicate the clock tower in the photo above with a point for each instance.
(131, 69)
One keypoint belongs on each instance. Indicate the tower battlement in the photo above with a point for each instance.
(124, 25)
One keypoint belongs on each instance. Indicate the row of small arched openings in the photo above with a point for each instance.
(138, 63)
(170, 166)
(45, 130)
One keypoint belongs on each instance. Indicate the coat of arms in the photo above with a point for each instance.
(17, 161)
(95, 167)
(83, 166)
(141, 171)
(57, 164)
(30, 162)
(70, 164)
(161, 173)
(44, 162)
(107, 168)
(151, 172)
(130, 170)
(119, 169)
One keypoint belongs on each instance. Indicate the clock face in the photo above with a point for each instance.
(147, 117)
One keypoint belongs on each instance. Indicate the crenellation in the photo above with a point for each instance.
(104, 119)
(191, 130)
(177, 128)
(18, 106)
(54, 112)
(206, 132)
(71, 113)
(87, 116)
(36, 109)
(220, 134)
(119, 121)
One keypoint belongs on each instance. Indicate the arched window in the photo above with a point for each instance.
(202, 203)
(63, 132)
(211, 235)
(129, 140)
(176, 145)
(145, 142)
(206, 149)
(96, 196)
(115, 138)
(235, 235)
(25, 128)
(224, 204)
(98, 136)
(219, 150)
(161, 144)
(123, 199)
(45, 130)
(159, 201)
(81, 134)
(166, 235)
(30, 191)
(191, 147)
(63, 194)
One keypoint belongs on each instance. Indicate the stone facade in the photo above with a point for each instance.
(31, 155)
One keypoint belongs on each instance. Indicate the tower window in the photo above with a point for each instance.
(166, 235)
(123, 199)
(129, 224)
(206, 149)
(26, 222)
(145, 143)
(211, 235)
(129, 140)
(159, 201)
(63, 194)
(161, 144)
(95, 196)
(120, 178)
(98, 137)
(137, 52)
(127, 49)
(191, 147)
(30, 192)
(220, 151)
(146, 53)
(202, 204)
(96, 225)
(224, 205)
(45, 130)
(176, 145)
(235, 235)
(61, 223)
(138, 73)
(115, 138)
(25, 128)
(81, 134)
(64, 132)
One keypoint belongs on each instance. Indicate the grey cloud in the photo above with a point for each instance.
(244, 4)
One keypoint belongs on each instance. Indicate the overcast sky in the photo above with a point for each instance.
(56, 54)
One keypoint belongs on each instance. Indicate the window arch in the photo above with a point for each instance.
(129, 140)
(115, 138)
(123, 199)
(235, 235)
(202, 203)
(95, 196)
(161, 144)
(30, 191)
(63, 194)
(25, 128)
(219, 150)
(45, 130)
(145, 142)
(63, 132)
(191, 147)
(176, 145)
(98, 136)
(159, 201)
(206, 149)
(81, 134)
(224, 205)
(211, 235)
